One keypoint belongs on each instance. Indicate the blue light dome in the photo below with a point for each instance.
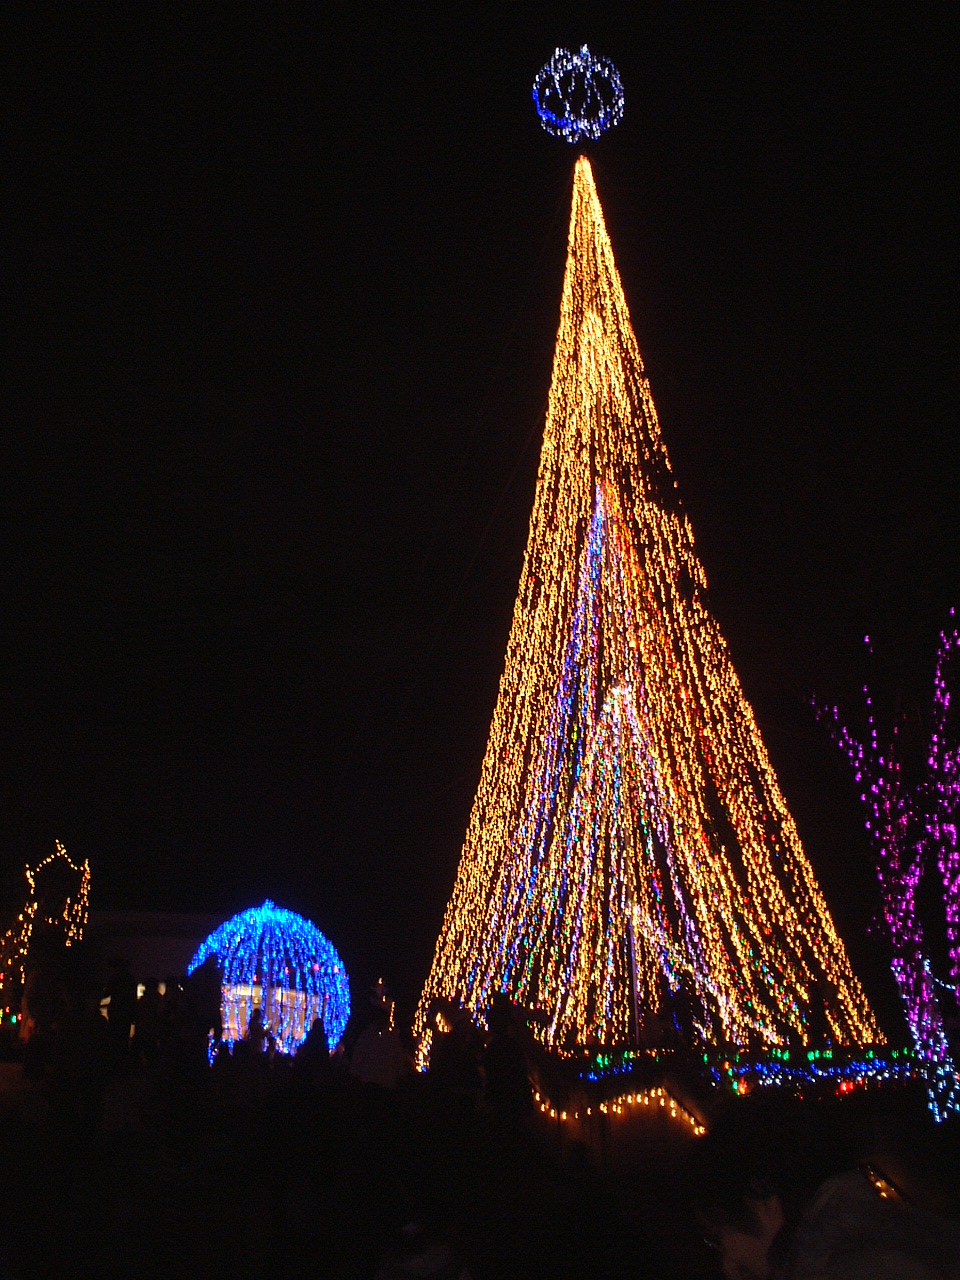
(276, 961)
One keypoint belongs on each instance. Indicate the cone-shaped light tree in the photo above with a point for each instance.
(629, 835)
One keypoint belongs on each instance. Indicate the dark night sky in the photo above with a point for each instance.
(282, 286)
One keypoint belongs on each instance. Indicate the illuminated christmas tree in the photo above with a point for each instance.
(629, 835)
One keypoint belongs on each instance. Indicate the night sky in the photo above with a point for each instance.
(281, 287)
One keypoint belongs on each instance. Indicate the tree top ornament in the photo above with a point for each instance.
(577, 95)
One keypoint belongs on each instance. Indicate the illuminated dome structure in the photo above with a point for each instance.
(276, 961)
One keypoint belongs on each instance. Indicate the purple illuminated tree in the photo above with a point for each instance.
(912, 826)
(943, 761)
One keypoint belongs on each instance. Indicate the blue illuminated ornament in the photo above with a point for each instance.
(577, 95)
(280, 963)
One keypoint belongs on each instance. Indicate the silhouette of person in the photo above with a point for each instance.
(312, 1060)
(506, 1081)
(258, 1033)
(122, 1009)
(203, 989)
(378, 1056)
(455, 1058)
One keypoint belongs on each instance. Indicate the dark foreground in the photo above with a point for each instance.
(274, 1176)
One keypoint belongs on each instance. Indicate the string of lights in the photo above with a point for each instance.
(64, 913)
(910, 827)
(276, 961)
(618, 1106)
(629, 839)
(816, 1072)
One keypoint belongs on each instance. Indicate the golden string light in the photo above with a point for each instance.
(69, 918)
(628, 836)
(622, 1104)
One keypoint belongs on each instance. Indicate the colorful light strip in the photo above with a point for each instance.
(802, 1072)
(910, 827)
(629, 838)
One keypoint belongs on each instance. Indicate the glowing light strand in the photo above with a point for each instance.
(628, 827)
(818, 1070)
(279, 962)
(618, 1106)
(909, 827)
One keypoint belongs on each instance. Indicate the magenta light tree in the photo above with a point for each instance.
(912, 827)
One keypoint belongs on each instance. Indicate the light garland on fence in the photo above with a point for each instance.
(279, 962)
(910, 827)
(577, 95)
(628, 836)
(622, 1104)
(820, 1072)
(68, 916)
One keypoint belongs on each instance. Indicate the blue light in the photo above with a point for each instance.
(577, 95)
(279, 962)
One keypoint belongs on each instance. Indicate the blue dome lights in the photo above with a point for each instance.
(577, 95)
(277, 961)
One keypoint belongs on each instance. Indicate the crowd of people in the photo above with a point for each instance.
(110, 1067)
(75, 1036)
(451, 1174)
(75, 1031)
